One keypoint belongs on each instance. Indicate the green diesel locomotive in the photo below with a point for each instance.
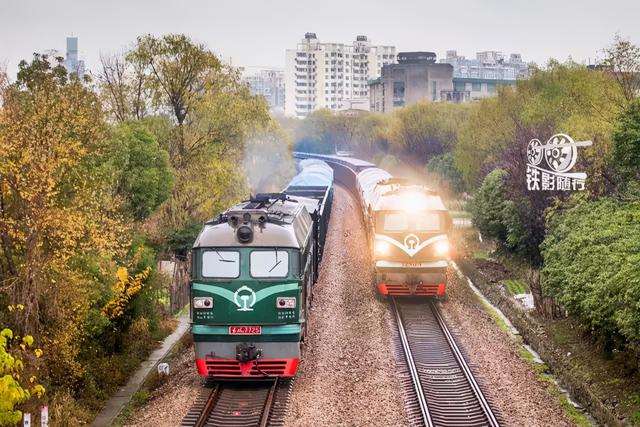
(253, 270)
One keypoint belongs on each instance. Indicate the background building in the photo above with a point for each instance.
(415, 77)
(270, 85)
(71, 61)
(481, 76)
(332, 75)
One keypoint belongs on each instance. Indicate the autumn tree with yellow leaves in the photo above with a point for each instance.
(96, 183)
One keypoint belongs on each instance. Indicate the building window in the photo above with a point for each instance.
(491, 87)
(476, 87)
(398, 90)
(459, 87)
(434, 87)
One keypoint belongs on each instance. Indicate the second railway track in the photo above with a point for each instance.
(235, 404)
(445, 390)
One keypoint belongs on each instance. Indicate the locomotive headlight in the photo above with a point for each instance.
(203, 302)
(442, 247)
(286, 302)
(382, 248)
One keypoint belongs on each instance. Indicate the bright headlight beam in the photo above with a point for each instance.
(442, 247)
(382, 248)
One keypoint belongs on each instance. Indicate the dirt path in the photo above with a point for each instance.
(347, 376)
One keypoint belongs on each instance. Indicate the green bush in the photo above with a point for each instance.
(488, 205)
(626, 148)
(444, 166)
(592, 267)
(509, 222)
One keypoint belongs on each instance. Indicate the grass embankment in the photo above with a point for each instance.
(612, 377)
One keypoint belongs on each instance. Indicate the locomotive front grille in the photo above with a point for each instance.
(228, 368)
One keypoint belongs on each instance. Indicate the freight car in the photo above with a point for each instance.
(253, 271)
(407, 227)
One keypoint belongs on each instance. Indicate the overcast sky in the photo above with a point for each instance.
(255, 33)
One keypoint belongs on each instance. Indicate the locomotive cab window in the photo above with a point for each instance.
(219, 264)
(428, 221)
(269, 263)
(395, 222)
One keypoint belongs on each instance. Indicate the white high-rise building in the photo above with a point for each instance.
(332, 75)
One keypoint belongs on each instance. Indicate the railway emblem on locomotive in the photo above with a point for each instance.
(244, 298)
(411, 241)
(560, 154)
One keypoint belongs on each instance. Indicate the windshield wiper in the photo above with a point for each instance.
(277, 263)
(223, 259)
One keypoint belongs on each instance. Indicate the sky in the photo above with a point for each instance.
(256, 33)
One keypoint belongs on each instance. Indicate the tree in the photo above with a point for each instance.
(567, 98)
(592, 266)
(145, 177)
(424, 130)
(55, 204)
(626, 148)
(488, 205)
(123, 88)
(622, 60)
(444, 167)
(178, 73)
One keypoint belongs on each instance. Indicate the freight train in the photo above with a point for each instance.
(253, 271)
(407, 227)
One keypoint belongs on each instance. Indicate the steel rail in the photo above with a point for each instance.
(413, 371)
(465, 368)
(234, 404)
(268, 405)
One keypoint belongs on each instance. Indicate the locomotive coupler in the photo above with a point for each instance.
(247, 352)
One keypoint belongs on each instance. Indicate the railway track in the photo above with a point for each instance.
(446, 393)
(233, 404)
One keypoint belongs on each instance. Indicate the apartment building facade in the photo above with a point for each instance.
(480, 77)
(268, 83)
(332, 75)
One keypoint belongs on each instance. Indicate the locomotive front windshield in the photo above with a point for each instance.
(258, 263)
(269, 263)
(402, 221)
(221, 264)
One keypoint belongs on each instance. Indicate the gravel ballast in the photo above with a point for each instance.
(347, 374)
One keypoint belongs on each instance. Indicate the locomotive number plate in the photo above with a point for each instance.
(411, 264)
(245, 330)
